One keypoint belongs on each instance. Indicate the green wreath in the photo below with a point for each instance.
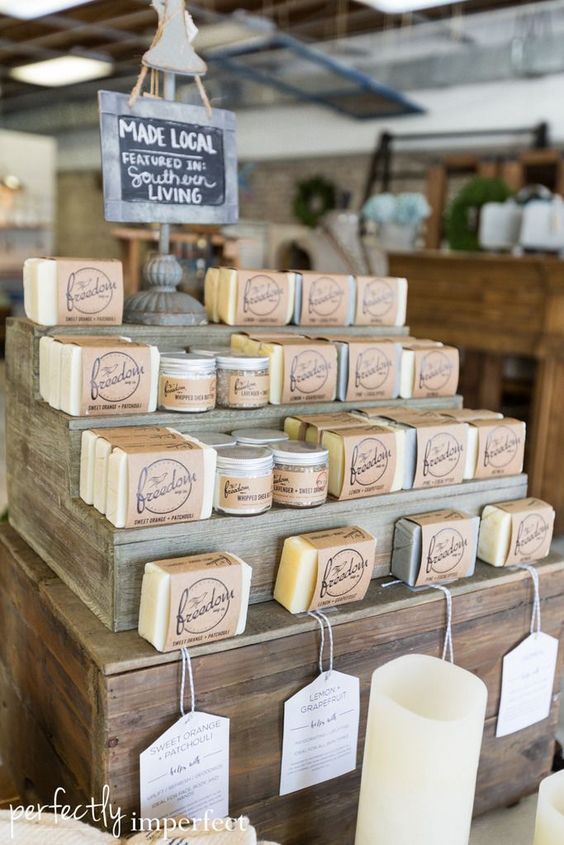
(314, 198)
(462, 217)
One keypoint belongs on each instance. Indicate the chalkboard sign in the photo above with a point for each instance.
(166, 162)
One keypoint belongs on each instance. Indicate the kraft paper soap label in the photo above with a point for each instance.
(448, 550)
(532, 523)
(325, 300)
(185, 772)
(440, 454)
(377, 301)
(527, 683)
(310, 372)
(501, 447)
(373, 371)
(320, 732)
(179, 392)
(262, 298)
(345, 562)
(205, 599)
(115, 380)
(235, 493)
(436, 371)
(165, 484)
(89, 292)
(370, 462)
(324, 422)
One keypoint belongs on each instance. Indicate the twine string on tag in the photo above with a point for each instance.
(319, 621)
(330, 632)
(535, 627)
(186, 662)
(392, 583)
(448, 650)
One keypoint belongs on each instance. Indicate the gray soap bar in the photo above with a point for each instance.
(298, 299)
(406, 554)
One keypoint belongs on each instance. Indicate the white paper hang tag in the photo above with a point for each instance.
(320, 728)
(528, 673)
(185, 772)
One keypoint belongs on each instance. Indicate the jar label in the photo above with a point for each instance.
(181, 393)
(248, 389)
(306, 486)
(245, 494)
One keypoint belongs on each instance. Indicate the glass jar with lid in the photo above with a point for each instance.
(259, 436)
(187, 382)
(242, 381)
(300, 474)
(243, 481)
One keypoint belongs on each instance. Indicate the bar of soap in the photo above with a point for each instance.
(211, 294)
(301, 370)
(365, 461)
(309, 427)
(380, 301)
(96, 375)
(255, 297)
(516, 532)
(428, 370)
(71, 291)
(160, 484)
(96, 447)
(324, 299)
(500, 449)
(325, 568)
(195, 599)
(435, 547)
(368, 368)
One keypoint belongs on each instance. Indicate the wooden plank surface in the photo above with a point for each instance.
(123, 710)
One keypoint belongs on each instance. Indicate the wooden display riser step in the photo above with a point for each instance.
(104, 566)
(80, 703)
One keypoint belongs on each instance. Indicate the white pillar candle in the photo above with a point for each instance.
(549, 828)
(423, 739)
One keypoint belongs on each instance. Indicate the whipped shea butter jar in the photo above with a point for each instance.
(187, 382)
(243, 482)
(300, 474)
(242, 381)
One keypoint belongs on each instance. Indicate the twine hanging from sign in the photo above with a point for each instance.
(320, 619)
(535, 627)
(448, 648)
(165, 21)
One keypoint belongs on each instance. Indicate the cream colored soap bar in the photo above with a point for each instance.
(325, 568)
(208, 595)
(513, 532)
(255, 297)
(81, 292)
(211, 293)
(166, 484)
(428, 368)
(368, 463)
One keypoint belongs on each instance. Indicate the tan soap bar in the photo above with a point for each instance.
(211, 294)
(435, 547)
(428, 370)
(192, 600)
(366, 461)
(73, 291)
(380, 301)
(255, 297)
(368, 368)
(516, 532)
(160, 484)
(324, 299)
(499, 447)
(301, 370)
(309, 427)
(325, 568)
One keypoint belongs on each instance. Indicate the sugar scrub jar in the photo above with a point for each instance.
(242, 381)
(243, 481)
(187, 382)
(300, 474)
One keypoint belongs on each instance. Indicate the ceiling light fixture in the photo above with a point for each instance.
(66, 70)
(28, 9)
(400, 7)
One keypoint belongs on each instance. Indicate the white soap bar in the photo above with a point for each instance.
(211, 293)
(338, 467)
(495, 535)
(155, 608)
(323, 299)
(120, 486)
(255, 297)
(87, 459)
(44, 382)
(515, 532)
(71, 374)
(380, 301)
(71, 291)
(471, 452)
(439, 376)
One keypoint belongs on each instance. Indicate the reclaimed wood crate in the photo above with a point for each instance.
(80, 703)
(104, 565)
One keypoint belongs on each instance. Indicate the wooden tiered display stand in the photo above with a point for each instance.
(81, 702)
